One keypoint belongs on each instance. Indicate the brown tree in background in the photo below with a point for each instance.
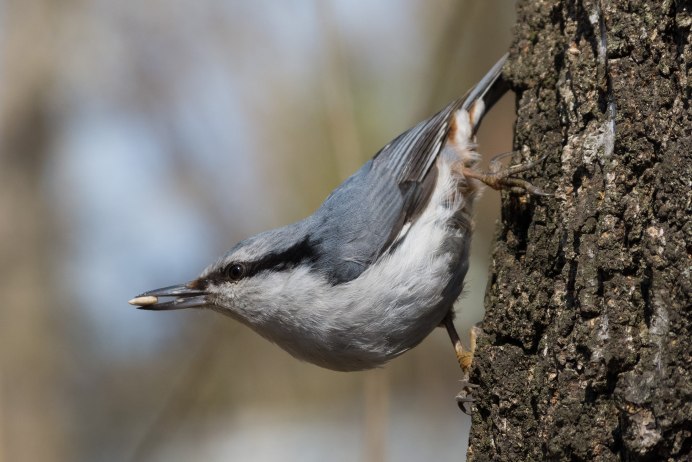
(31, 348)
(585, 350)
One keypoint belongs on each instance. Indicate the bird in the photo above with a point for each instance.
(380, 264)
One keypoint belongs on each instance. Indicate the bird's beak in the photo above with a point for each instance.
(184, 296)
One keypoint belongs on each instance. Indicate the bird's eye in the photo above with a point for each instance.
(235, 271)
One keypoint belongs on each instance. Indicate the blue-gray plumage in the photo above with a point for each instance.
(378, 266)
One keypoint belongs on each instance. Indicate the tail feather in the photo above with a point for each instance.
(483, 96)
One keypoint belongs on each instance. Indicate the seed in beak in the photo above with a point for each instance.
(145, 300)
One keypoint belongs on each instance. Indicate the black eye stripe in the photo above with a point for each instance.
(300, 253)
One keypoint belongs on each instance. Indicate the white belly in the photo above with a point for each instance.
(387, 310)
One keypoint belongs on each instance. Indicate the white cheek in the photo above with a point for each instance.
(252, 300)
(225, 298)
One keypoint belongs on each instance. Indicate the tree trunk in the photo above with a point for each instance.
(585, 348)
(33, 349)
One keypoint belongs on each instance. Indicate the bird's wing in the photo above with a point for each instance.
(362, 217)
(410, 155)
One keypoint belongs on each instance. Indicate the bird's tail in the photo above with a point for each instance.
(481, 98)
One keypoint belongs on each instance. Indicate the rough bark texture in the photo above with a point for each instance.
(585, 349)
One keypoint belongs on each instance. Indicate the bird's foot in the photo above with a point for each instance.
(465, 397)
(464, 357)
(505, 178)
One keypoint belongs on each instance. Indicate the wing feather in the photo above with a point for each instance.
(362, 218)
(410, 155)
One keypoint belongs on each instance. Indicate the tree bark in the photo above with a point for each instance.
(584, 353)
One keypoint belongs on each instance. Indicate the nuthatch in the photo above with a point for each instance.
(379, 265)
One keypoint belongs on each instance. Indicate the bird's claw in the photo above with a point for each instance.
(465, 399)
(504, 179)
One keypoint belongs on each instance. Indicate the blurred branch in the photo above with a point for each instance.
(181, 397)
(33, 421)
(377, 394)
(338, 97)
(445, 61)
(190, 177)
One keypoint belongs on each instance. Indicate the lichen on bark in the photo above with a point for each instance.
(585, 348)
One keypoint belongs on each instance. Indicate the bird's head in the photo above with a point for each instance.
(244, 280)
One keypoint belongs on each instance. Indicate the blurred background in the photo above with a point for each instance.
(140, 140)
